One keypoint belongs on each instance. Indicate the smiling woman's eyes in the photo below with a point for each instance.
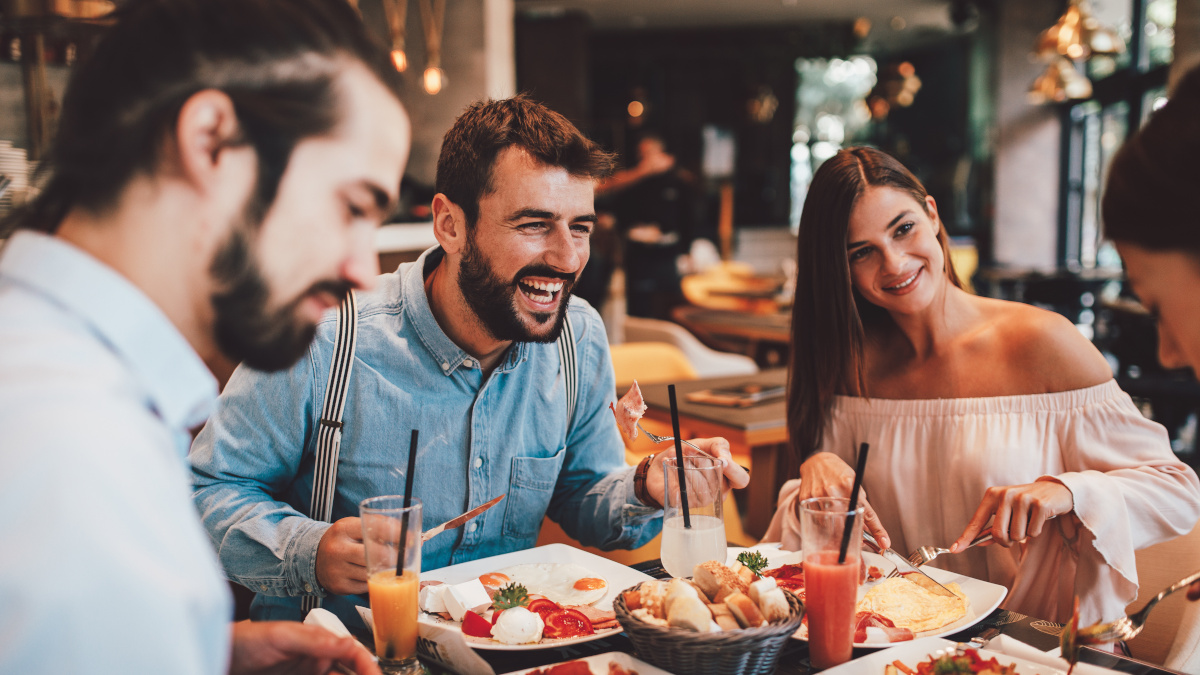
(860, 253)
(904, 229)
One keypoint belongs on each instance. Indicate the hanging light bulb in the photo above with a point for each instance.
(399, 60)
(434, 80)
(1060, 82)
(396, 13)
(1078, 34)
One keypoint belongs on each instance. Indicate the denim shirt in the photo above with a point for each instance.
(480, 437)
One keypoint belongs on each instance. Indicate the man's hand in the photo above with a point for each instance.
(824, 474)
(733, 475)
(1017, 512)
(342, 559)
(268, 647)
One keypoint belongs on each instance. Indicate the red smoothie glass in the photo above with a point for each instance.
(831, 586)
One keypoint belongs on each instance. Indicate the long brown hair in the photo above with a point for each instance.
(830, 319)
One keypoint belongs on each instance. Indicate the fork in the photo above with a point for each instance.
(1127, 627)
(656, 439)
(926, 554)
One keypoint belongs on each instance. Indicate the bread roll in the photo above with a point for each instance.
(653, 595)
(761, 586)
(717, 580)
(676, 589)
(645, 615)
(774, 605)
(745, 611)
(690, 613)
(723, 616)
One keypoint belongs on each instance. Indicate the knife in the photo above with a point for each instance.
(908, 570)
(456, 522)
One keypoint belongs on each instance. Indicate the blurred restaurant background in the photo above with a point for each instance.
(719, 112)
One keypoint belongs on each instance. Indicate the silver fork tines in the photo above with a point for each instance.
(926, 554)
(654, 438)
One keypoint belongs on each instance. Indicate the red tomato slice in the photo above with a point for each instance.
(476, 626)
(567, 623)
(496, 615)
(542, 606)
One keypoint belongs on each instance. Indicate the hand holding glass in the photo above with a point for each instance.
(831, 586)
(685, 547)
(385, 521)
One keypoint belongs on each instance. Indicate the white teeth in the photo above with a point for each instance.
(551, 287)
(906, 283)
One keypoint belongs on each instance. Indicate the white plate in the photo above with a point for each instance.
(983, 596)
(598, 664)
(912, 653)
(618, 576)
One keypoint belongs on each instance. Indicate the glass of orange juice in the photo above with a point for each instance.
(831, 583)
(386, 524)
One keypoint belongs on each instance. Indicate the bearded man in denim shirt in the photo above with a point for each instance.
(460, 345)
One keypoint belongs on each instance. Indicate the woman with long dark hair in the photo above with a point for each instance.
(982, 415)
(1149, 211)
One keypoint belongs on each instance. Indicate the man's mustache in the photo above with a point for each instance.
(544, 271)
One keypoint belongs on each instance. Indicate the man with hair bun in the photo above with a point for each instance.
(219, 172)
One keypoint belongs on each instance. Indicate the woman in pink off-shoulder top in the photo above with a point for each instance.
(982, 415)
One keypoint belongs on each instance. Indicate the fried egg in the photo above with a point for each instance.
(493, 581)
(910, 606)
(563, 583)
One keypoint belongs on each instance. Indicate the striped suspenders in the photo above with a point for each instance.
(329, 434)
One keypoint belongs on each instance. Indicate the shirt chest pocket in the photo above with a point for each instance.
(529, 493)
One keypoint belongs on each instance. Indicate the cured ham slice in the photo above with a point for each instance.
(629, 410)
(865, 620)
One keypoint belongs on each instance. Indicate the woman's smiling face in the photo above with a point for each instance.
(896, 261)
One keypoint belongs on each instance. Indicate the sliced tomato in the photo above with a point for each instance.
(496, 615)
(542, 606)
(476, 626)
(567, 623)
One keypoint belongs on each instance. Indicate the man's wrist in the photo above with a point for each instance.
(640, 489)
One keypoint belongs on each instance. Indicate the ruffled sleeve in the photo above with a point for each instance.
(1130, 491)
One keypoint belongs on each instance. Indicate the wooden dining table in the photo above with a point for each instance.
(759, 431)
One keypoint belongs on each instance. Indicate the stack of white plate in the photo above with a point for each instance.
(14, 165)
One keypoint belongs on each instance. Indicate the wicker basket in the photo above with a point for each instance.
(749, 651)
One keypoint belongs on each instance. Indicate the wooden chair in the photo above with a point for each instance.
(1167, 632)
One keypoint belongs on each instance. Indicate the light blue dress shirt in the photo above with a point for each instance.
(104, 567)
(480, 437)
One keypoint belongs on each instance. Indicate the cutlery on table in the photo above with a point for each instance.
(908, 570)
(1127, 627)
(456, 522)
(980, 641)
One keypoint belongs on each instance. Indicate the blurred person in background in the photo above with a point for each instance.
(982, 415)
(655, 204)
(219, 172)
(1149, 209)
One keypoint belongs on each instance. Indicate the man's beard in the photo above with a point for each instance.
(494, 300)
(246, 328)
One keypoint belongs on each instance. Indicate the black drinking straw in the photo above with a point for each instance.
(408, 482)
(687, 517)
(858, 476)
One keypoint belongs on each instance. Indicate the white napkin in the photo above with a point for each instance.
(1010, 646)
(441, 643)
(327, 620)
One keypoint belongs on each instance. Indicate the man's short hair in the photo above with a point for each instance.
(277, 60)
(470, 148)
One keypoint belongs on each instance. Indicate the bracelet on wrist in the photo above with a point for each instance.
(640, 489)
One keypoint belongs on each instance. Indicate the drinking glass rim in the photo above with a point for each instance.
(842, 511)
(366, 504)
(713, 463)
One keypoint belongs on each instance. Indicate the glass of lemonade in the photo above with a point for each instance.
(685, 547)
(385, 523)
(831, 586)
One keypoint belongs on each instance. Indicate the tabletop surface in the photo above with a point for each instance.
(792, 661)
(768, 415)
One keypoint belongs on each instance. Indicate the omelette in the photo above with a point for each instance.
(910, 606)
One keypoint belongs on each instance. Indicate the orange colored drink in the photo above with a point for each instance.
(394, 607)
(831, 594)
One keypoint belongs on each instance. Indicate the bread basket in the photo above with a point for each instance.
(749, 651)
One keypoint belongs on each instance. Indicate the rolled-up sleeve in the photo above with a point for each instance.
(250, 451)
(594, 500)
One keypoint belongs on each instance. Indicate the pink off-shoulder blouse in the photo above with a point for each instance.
(931, 461)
